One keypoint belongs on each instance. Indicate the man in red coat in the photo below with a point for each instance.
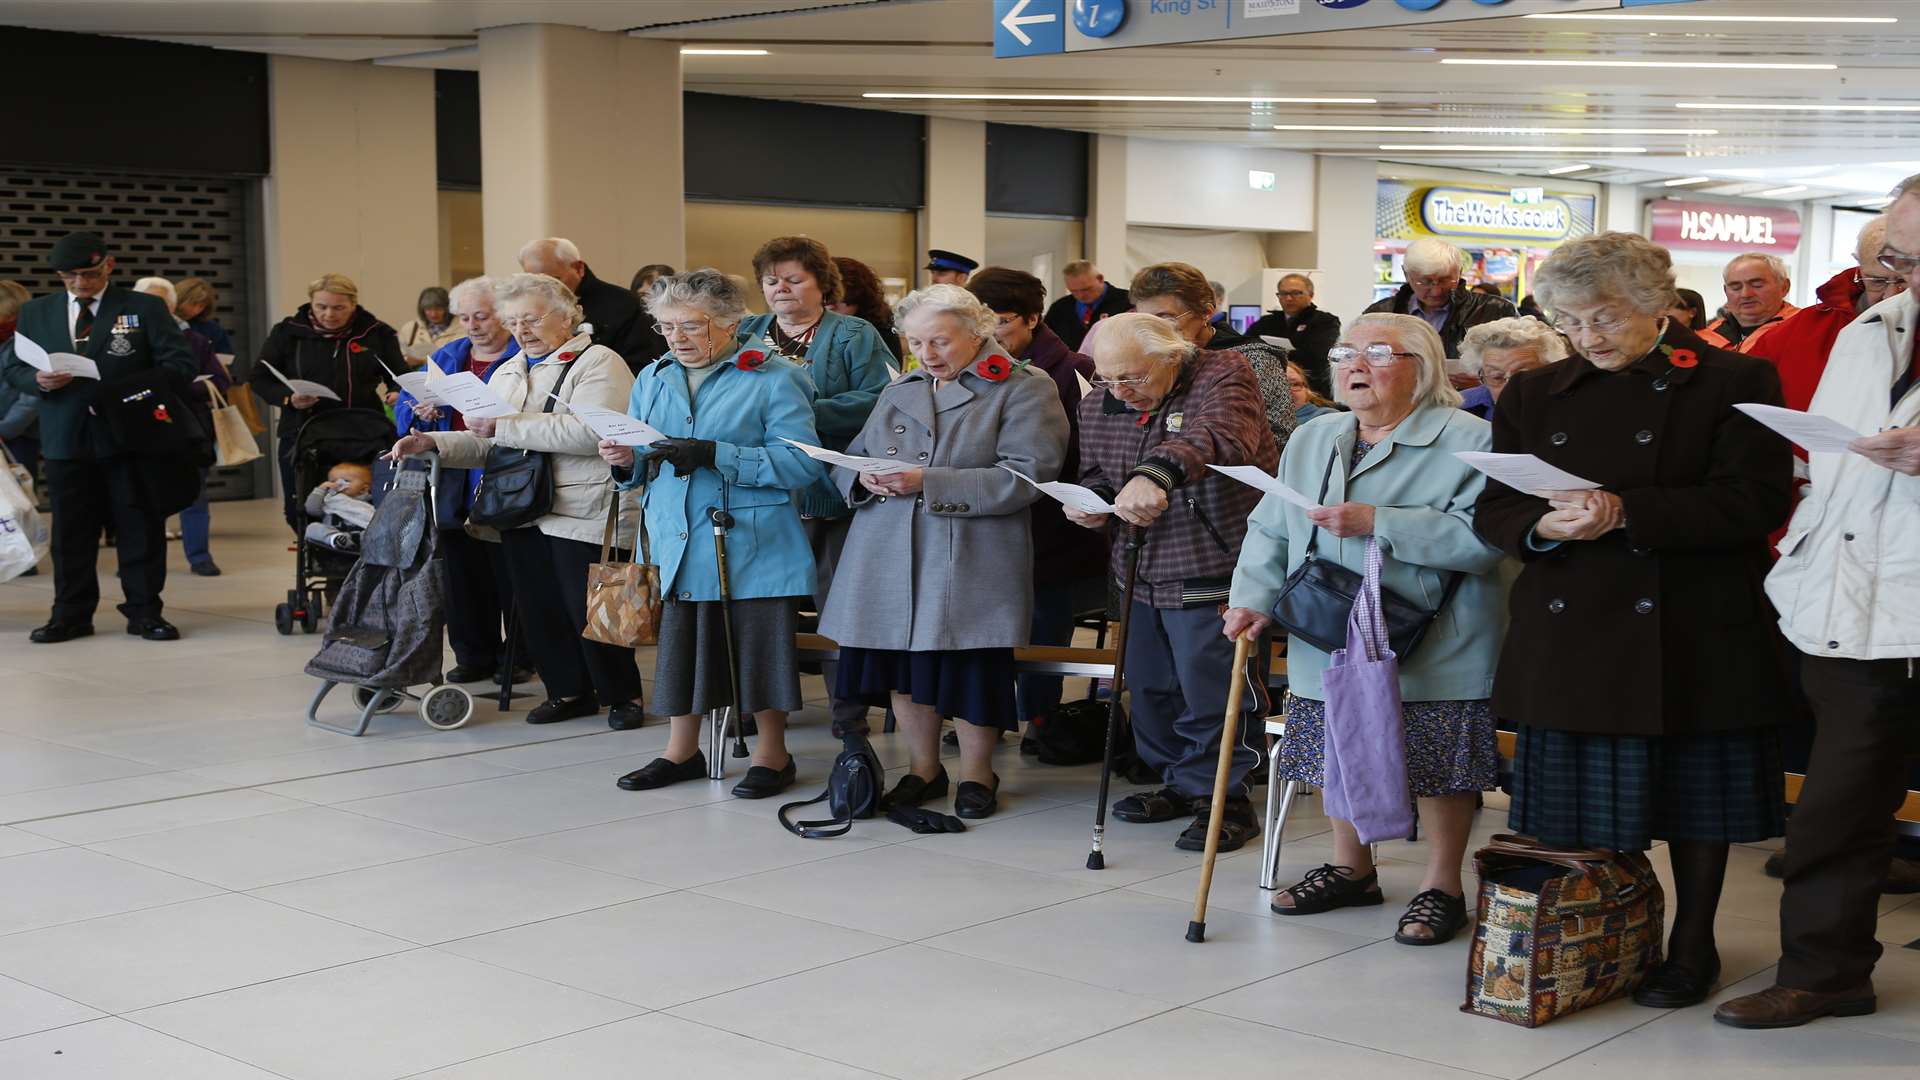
(1799, 346)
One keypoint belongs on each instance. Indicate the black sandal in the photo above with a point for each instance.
(1442, 912)
(1151, 807)
(1326, 889)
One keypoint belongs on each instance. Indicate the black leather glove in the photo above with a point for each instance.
(685, 455)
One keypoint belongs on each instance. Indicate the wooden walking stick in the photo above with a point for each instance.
(1197, 929)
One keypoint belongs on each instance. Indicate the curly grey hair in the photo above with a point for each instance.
(476, 287)
(708, 291)
(1604, 268)
(540, 286)
(1154, 338)
(953, 300)
(1413, 334)
(1515, 333)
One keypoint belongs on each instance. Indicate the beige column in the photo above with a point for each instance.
(353, 184)
(1107, 207)
(955, 218)
(581, 138)
(1344, 226)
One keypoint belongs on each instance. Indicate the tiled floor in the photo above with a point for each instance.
(194, 885)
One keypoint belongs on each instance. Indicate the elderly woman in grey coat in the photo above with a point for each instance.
(935, 586)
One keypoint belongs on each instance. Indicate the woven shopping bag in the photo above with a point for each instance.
(233, 441)
(623, 598)
(1560, 931)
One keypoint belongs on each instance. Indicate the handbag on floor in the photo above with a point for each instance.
(1365, 745)
(853, 792)
(623, 598)
(233, 441)
(1560, 931)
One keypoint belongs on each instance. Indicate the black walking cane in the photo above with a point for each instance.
(717, 727)
(1136, 538)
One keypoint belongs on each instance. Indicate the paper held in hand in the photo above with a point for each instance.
(30, 353)
(614, 426)
(464, 391)
(1818, 434)
(870, 466)
(1255, 477)
(303, 386)
(1524, 472)
(1070, 495)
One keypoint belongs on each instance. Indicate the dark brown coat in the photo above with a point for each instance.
(1660, 628)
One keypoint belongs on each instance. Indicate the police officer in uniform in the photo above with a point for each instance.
(947, 268)
(91, 478)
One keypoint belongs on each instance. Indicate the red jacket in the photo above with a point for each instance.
(1799, 346)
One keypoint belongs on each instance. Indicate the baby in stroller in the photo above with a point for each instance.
(339, 509)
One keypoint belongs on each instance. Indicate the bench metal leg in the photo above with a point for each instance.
(1279, 802)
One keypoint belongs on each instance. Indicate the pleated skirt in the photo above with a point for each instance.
(690, 670)
(975, 685)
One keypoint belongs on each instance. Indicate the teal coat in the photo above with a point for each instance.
(746, 413)
(847, 363)
(1423, 499)
(68, 429)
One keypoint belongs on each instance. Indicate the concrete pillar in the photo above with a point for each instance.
(354, 182)
(1344, 233)
(581, 139)
(1621, 210)
(955, 218)
(1107, 207)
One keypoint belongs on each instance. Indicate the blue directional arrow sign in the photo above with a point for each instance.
(1029, 27)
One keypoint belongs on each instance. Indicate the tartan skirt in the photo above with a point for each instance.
(1621, 793)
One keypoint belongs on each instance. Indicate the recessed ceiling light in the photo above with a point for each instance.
(1685, 180)
(1495, 130)
(1498, 62)
(1207, 100)
(1478, 149)
(1597, 17)
(1792, 189)
(1565, 169)
(1743, 107)
(722, 52)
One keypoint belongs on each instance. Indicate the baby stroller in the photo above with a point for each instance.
(342, 435)
(383, 634)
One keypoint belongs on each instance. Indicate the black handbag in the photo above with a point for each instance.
(853, 792)
(1318, 597)
(516, 488)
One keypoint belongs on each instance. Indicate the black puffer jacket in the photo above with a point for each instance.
(1468, 309)
(349, 362)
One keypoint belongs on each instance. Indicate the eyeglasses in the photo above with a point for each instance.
(1377, 355)
(1900, 264)
(96, 273)
(1494, 378)
(685, 329)
(1176, 317)
(1878, 283)
(1603, 327)
(517, 323)
(1121, 384)
(1293, 294)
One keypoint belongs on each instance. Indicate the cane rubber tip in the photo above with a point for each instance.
(740, 750)
(1096, 861)
(1196, 932)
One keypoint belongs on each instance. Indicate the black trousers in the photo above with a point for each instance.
(89, 496)
(479, 596)
(1840, 838)
(550, 588)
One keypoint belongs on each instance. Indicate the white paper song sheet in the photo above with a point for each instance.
(1255, 477)
(464, 391)
(869, 465)
(615, 426)
(1524, 472)
(303, 386)
(30, 352)
(415, 383)
(1085, 386)
(1071, 495)
(1818, 434)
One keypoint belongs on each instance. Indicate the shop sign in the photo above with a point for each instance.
(1691, 226)
(1451, 211)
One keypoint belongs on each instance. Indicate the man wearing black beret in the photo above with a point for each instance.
(91, 477)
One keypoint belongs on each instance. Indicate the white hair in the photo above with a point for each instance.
(1873, 237)
(1430, 256)
(1153, 338)
(557, 295)
(720, 297)
(1413, 334)
(158, 285)
(560, 248)
(952, 300)
(478, 287)
(1521, 332)
(1776, 265)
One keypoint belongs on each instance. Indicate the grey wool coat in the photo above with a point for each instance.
(952, 567)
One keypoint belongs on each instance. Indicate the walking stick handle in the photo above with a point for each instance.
(1242, 646)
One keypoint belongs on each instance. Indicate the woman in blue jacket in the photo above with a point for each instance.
(725, 411)
(848, 362)
(478, 596)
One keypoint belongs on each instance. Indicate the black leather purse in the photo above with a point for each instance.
(1318, 597)
(517, 487)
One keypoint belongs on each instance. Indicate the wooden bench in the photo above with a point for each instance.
(1027, 660)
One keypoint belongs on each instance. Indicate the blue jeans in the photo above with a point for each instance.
(195, 523)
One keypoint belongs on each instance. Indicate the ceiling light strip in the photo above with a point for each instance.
(1617, 17)
(1783, 107)
(1131, 98)
(1475, 149)
(1566, 169)
(1483, 61)
(1494, 130)
(723, 52)
(1791, 189)
(1686, 181)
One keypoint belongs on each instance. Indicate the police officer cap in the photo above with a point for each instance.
(77, 251)
(947, 260)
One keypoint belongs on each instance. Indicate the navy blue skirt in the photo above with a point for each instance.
(975, 685)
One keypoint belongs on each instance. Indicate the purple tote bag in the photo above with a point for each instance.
(1366, 752)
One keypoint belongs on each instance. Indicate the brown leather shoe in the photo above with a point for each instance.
(1780, 1006)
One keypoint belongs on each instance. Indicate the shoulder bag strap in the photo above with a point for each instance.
(1326, 482)
(547, 405)
(613, 516)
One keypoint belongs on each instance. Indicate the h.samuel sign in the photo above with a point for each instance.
(1494, 215)
(1690, 226)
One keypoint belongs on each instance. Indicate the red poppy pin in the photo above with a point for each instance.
(994, 368)
(354, 346)
(1685, 358)
(750, 359)
(566, 356)
(160, 413)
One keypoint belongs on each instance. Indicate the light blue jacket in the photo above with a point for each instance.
(746, 413)
(1423, 499)
(847, 363)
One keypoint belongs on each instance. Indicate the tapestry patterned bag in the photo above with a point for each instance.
(623, 598)
(1560, 931)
